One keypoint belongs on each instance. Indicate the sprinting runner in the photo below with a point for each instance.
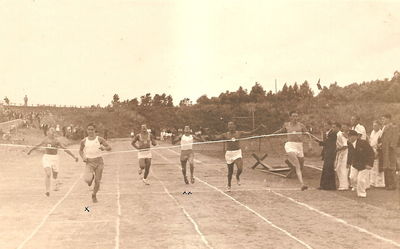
(50, 159)
(90, 151)
(144, 139)
(233, 153)
(187, 152)
(294, 145)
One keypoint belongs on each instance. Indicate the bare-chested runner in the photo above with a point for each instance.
(294, 145)
(142, 143)
(233, 153)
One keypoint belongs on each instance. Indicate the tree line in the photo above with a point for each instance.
(331, 102)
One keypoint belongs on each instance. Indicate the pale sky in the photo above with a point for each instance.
(81, 52)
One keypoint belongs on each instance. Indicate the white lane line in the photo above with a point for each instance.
(363, 230)
(163, 157)
(80, 221)
(118, 221)
(196, 226)
(48, 214)
(257, 214)
(251, 210)
(360, 229)
(198, 191)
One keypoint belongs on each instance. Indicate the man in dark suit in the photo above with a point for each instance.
(389, 139)
(328, 177)
(361, 158)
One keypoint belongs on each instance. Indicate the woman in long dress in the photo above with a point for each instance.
(328, 177)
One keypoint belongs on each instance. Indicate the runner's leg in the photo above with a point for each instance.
(98, 174)
(239, 164)
(191, 162)
(295, 161)
(147, 163)
(142, 165)
(55, 175)
(47, 179)
(89, 174)
(183, 165)
(230, 173)
(301, 161)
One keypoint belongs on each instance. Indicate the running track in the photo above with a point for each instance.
(130, 215)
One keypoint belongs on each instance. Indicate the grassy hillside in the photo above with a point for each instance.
(369, 100)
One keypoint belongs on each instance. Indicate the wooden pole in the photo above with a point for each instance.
(252, 113)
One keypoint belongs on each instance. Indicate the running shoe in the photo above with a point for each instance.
(186, 180)
(140, 171)
(304, 187)
(228, 189)
(192, 180)
(238, 181)
(94, 198)
(145, 181)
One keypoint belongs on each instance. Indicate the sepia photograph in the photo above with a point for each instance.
(184, 124)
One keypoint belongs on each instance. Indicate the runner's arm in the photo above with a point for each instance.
(68, 152)
(133, 143)
(281, 130)
(198, 138)
(104, 144)
(218, 137)
(36, 146)
(153, 140)
(177, 139)
(81, 153)
(248, 133)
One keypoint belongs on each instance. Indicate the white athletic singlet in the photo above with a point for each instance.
(92, 148)
(186, 142)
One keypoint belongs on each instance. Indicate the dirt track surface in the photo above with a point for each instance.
(264, 212)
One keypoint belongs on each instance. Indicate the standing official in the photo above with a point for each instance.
(390, 137)
(361, 158)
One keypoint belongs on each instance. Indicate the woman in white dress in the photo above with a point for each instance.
(377, 178)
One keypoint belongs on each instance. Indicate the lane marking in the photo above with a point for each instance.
(80, 221)
(362, 230)
(196, 227)
(248, 208)
(48, 215)
(118, 220)
(199, 191)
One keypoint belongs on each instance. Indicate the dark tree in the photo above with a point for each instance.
(169, 101)
(257, 93)
(146, 100)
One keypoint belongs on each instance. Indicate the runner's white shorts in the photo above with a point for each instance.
(144, 154)
(187, 155)
(50, 161)
(232, 155)
(296, 147)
